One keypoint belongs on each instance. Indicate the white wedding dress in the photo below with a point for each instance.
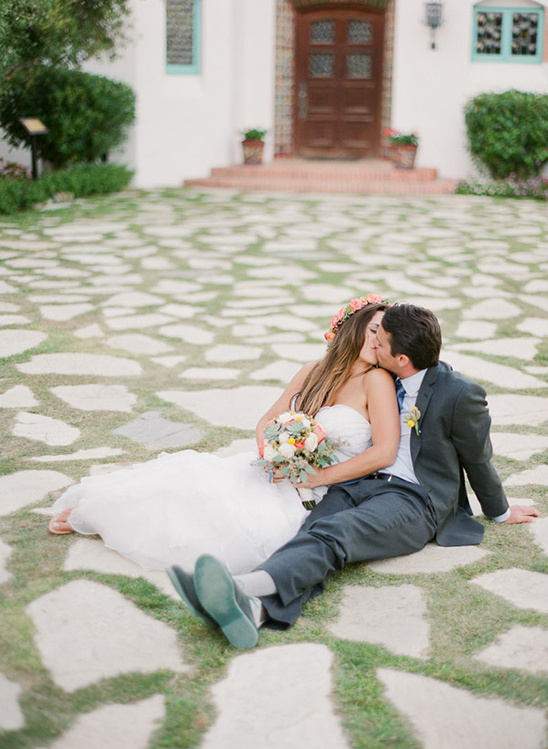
(173, 509)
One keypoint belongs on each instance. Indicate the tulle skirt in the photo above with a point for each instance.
(173, 509)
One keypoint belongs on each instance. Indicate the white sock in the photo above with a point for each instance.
(257, 611)
(258, 583)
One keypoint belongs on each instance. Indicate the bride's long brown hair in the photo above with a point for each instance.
(329, 374)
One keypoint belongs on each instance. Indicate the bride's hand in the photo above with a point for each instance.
(277, 476)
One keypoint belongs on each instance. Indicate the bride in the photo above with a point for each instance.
(170, 510)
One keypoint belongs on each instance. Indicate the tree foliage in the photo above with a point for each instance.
(58, 32)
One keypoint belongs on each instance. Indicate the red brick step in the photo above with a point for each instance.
(357, 177)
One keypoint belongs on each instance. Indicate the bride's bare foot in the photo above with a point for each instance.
(59, 524)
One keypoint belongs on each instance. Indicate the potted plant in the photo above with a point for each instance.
(402, 148)
(253, 144)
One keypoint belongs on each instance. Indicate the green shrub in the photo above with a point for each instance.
(508, 133)
(80, 181)
(87, 115)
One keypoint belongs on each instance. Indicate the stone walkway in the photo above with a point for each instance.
(124, 324)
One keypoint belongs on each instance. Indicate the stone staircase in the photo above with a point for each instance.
(362, 177)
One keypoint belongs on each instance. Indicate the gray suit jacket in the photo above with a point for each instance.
(454, 437)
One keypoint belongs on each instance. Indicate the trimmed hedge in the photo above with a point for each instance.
(87, 115)
(80, 181)
(508, 133)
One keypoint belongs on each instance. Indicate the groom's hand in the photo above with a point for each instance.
(522, 514)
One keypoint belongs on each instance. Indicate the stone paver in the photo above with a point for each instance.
(431, 559)
(17, 341)
(188, 334)
(24, 488)
(86, 632)
(524, 348)
(5, 553)
(116, 726)
(524, 648)
(538, 475)
(227, 353)
(522, 588)
(436, 712)
(97, 397)
(210, 373)
(81, 364)
(41, 428)
(11, 715)
(63, 312)
(19, 396)
(92, 554)
(508, 408)
(499, 374)
(299, 714)
(516, 446)
(137, 343)
(393, 616)
(238, 407)
(492, 309)
(539, 530)
(158, 433)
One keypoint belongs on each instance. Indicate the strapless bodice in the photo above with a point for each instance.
(347, 427)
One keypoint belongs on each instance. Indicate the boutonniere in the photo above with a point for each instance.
(412, 419)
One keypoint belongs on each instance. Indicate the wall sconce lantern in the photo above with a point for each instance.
(433, 19)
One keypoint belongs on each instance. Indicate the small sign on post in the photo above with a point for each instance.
(34, 127)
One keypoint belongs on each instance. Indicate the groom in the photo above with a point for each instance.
(420, 497)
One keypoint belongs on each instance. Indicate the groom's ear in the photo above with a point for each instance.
(404, 362)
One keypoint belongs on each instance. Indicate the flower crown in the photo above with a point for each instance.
(354, 305)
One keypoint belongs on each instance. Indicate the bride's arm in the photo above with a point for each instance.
(384, 418)
(284, 401)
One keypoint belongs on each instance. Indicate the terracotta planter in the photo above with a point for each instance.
(253, 151)
(402, 156)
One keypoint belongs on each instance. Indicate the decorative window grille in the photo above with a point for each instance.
(322, 32)
(508, 34)
(359, 66)
(183, 32)
(360, 32)
(321, 65)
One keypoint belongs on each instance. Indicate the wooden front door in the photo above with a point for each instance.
(339, 84)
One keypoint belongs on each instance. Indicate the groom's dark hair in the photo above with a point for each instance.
(415, 332)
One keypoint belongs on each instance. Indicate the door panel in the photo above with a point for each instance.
(339, 79)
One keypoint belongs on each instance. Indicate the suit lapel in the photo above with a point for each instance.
(423, 401)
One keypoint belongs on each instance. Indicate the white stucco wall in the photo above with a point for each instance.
(187, 124)
(431, 86)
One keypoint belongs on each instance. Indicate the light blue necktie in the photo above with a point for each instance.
(400, 393)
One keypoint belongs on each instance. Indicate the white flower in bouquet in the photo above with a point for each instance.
(284, 418)
(311, 443)
(295, 445)
(269, 452)
(287, 450)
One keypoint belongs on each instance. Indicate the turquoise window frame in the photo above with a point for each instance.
(506, 39)
(194, 68)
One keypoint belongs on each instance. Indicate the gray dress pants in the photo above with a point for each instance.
(371, 519)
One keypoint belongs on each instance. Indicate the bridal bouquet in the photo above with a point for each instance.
(296, 445)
